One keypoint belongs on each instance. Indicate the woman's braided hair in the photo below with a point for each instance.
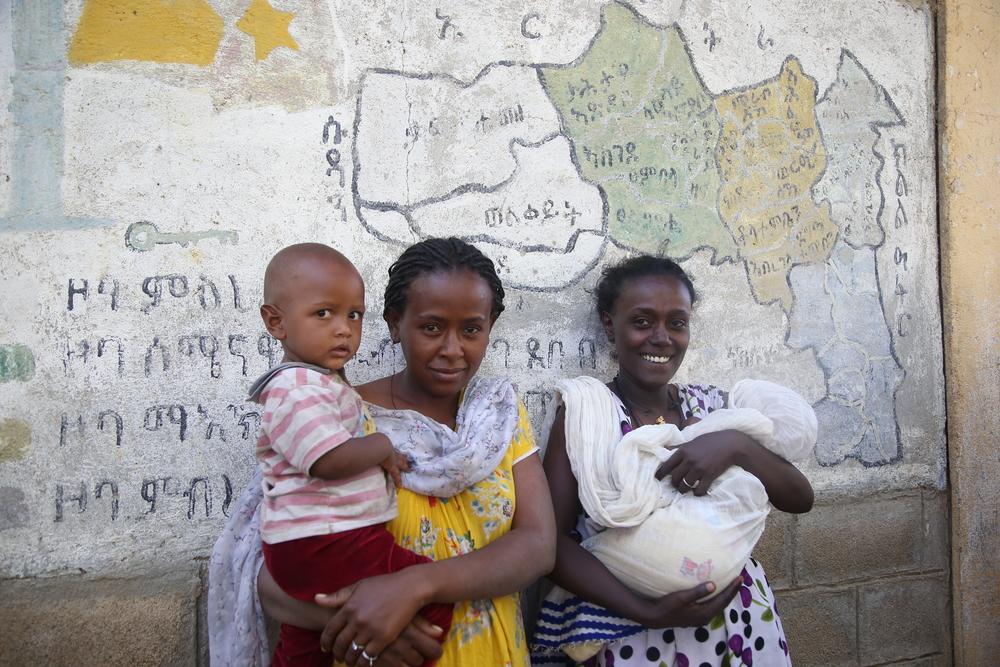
(613, 278)
(434, 255)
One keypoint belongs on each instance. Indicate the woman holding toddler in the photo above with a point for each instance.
(479, 509)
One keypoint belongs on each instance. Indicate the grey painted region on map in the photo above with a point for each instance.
(838, 308)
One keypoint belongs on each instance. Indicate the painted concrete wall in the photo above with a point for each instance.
(970, 235)
(154, 155)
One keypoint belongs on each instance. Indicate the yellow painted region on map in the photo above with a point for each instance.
(767, 228)
(772, 241)
(15, 440)
(172, 31)
(770, 156)
(268, 27)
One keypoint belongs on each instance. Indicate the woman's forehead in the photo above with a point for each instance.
(460, 282)
(653, 291)
(453, 291)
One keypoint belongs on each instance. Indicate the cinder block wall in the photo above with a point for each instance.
(859, 581)
(92, 620)
(864, 580)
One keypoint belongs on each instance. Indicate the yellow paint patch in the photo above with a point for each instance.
(770, 155)
(268, 27)
(163, 31)
(15, 438)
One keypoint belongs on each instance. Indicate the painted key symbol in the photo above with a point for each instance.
(142, 236)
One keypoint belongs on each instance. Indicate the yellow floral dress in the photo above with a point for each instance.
(483, 632)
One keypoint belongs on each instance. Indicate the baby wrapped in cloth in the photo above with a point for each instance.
(658, 540)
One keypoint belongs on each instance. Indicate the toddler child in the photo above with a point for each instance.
(326, 500)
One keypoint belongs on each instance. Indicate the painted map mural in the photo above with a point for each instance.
(626, 146)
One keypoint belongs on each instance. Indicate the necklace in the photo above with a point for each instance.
(673, 405)
(392, 392)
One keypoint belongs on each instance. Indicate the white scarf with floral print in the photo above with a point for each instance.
(445, 462)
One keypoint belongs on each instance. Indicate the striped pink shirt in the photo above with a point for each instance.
(305, 415)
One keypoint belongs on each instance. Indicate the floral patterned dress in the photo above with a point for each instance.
(483, 632)
(747, 631)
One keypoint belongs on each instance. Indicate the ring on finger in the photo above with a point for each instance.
(689, 484)
(357, 647)
(370, 658)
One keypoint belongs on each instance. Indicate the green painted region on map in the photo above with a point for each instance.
(644, 129)
(17, 362)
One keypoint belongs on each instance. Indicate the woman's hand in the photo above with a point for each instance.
(373, 613)
(696, 464)
(682, 609)
(419, 643)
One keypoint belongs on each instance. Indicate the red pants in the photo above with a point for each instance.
(327, 563)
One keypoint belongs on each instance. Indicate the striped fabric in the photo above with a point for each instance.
(306, 414)
(571, 620)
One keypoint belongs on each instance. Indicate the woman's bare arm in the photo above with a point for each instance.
(283, 608)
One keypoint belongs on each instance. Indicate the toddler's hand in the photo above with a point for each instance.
(394, 464)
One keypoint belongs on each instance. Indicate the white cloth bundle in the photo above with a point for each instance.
(658, 540)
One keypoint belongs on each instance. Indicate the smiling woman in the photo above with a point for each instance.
(645, 306)
(648, 325)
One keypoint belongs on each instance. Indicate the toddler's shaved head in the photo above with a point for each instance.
(296, 262)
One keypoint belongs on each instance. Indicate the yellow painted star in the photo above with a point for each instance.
(268, 27)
